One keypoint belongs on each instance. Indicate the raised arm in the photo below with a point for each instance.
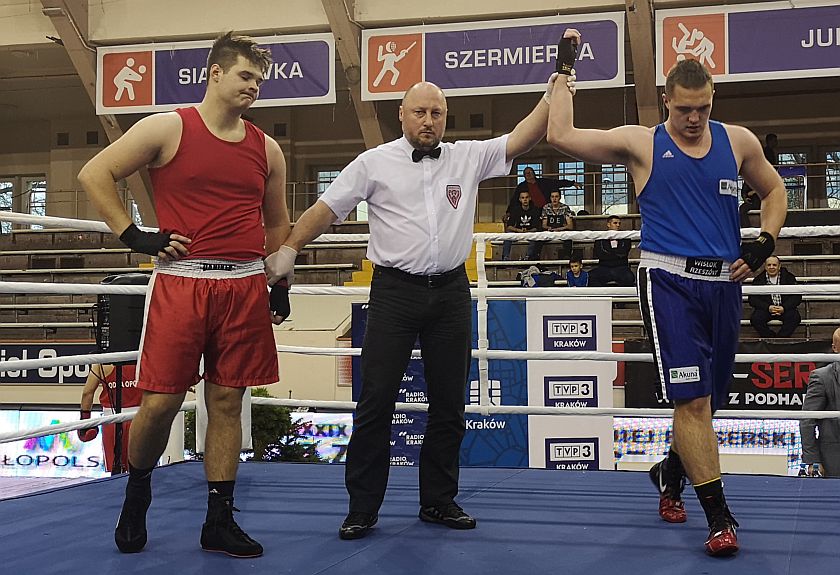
(622, 145)
(531, 129)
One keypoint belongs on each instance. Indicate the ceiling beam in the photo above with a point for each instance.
(70, 19)
(640, 27)
(347, 41)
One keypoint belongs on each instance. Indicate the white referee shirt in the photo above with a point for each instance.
(420, 213)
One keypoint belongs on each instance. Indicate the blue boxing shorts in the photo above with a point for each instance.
(692, 314)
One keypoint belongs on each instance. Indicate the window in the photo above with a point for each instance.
(7, 192)
(572, 197)
(613, 189)
(36, 190)
(325, 178)
(832, 178)
(521, 168)
(795, 175)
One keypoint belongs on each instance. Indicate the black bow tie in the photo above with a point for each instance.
(418, 155)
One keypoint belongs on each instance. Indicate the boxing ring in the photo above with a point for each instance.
(529, 520)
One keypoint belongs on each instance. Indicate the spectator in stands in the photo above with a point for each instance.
(613, 265)
(751, 201)
(821, 437)
(770, 142)
(106, 376)
(576, 276)
(583, 212)
(539, 188)
(775, 306)
(557, 217)
(524, 217)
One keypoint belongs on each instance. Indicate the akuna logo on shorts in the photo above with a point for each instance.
(684, 374)
(569, 332)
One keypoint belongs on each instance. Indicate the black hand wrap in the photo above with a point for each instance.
(754, 253)
(278, 299)
(566, 55)
(144, 242)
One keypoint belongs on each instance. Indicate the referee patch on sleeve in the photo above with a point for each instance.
(684, 374)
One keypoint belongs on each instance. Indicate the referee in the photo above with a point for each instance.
(421, 196)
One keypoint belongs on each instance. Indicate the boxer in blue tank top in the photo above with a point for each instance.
(689, 278)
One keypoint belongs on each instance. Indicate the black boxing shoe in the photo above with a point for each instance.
(357, 524)
(450, 515)
(130, 534)
(221, 533)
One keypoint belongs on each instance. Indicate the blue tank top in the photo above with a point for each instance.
(689, 206)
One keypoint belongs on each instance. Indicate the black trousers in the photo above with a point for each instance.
(600, 276)
(399, 311)
(790, 321)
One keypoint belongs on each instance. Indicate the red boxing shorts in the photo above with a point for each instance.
(214, 308)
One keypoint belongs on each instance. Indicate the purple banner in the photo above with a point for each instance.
(512, 56)
(144, 78)
(299, 70)
(787, 39)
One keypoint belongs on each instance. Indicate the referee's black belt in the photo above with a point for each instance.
(431, 281)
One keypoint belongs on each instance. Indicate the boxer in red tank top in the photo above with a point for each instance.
(105, 376)
(219, 193)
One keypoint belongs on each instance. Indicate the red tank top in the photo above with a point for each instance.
(212, 191)
(131, 395)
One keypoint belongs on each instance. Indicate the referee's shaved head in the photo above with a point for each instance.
(425, 88)
(423, 115)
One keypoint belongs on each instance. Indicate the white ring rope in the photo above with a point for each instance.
(500, 292)
(545, 410)
(87, 359)
(571, 355)
(123, 416)
(592, 235)
(130, 413)
(585, 235)
(68, 288)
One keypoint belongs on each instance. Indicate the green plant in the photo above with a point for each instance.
(273, 434)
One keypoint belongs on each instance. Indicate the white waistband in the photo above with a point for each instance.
(210, 269)
(677, 266)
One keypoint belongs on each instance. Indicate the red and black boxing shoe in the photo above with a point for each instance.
(722, 541)
(670, 487)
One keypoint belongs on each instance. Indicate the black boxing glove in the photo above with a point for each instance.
(149, 243)
(754, 253)
(90, 433)
(278, 299)
(567, 50)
